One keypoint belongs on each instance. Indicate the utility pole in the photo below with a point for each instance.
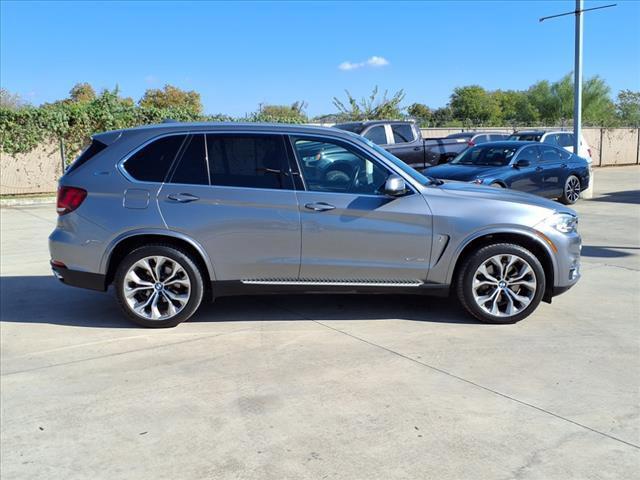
(577, 79)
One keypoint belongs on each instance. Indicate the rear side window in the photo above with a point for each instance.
(152, 162)
(377, 135)
(250, 161)
(495, 137)
(91, 151)
(550, 154)
(480, 139)
(192, 168)
(566, 140)
(402, 133)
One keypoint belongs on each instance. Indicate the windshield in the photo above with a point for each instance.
(417, 176)
(526, 137)
(495, 156)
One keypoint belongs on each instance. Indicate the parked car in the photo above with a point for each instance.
(175, 213)
(558, 138)
(531, 167)
(404, 140)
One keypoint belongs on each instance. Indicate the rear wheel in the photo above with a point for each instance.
(158, 286)
(571, 192)
(501, 283)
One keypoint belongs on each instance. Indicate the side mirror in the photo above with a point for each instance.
(522, 163)
(395, 186)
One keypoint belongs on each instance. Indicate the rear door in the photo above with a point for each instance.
(233, 194)
(553, 170)
(351, 231)
(407, 145)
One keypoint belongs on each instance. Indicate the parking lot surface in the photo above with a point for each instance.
(348, 387)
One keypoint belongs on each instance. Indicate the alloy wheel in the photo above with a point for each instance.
(572, 189)
(156, 288)
(504, 285)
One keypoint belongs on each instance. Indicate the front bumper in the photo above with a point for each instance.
(566, 259)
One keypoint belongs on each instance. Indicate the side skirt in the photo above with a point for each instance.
(229, 288)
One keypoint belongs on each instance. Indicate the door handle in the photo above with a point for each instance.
(319, 206)
(417, 149)
(564, 165)
(539, 169)
(182, 197)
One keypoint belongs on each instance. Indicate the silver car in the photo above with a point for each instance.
(174, 213)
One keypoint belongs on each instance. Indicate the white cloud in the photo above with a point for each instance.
(374, 61)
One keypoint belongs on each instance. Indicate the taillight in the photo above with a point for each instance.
(69, 198)
(470, 143)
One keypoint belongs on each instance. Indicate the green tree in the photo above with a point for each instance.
(370, 108)
(293, 113)
(82, 92)
(628, 108)
(515, 108)
(475, 105)
(421, 113)
(442, 117)
(170, 97)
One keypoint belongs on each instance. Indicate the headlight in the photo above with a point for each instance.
(563, 222)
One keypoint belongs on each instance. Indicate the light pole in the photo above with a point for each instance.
(577, 80)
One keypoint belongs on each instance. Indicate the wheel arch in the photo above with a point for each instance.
(125, 243)
(528, 240)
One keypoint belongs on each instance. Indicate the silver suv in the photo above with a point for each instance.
(174, 213)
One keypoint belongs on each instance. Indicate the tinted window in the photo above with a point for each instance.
(566, 140)
(487, 155)
(328, 167)
(526, 137)
(551, 139)
(251, 161)
(193, 164)
(151, 163)
(530, 153)
(402, 133)
(550, 154)
(377, 135)
(91, 151)
(479, 139)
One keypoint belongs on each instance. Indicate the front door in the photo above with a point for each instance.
(351, 231)
(233, 194)
(553, 170)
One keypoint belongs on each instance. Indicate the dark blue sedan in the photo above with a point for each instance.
(530, 167)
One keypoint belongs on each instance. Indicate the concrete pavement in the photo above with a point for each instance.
(349, 387)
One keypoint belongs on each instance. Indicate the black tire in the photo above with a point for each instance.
(569, 193)
(184, 260)
(465, 277)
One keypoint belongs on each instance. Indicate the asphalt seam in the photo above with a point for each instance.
(477, 385)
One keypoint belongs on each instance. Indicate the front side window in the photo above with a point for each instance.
(377, 135)
(329, 167)
(152, 162)
(402, 133)
(192, 168)
(486, 156)
(250, 161)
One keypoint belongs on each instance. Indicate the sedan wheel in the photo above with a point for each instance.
(571, 192)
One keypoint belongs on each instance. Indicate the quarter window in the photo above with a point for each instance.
(151, 163)
(402, 133)
(251, 161)
(377, 135)
(328, 167)
(192, 168)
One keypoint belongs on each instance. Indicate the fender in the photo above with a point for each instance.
(503, 229)
(106, 257)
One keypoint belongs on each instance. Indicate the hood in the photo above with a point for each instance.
(505, 195)
(464, 173)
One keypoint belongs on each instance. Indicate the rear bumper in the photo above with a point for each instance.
(75, 278)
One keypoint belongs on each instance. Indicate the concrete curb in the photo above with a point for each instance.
(23, 202)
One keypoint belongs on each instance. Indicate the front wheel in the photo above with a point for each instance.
(158, 286)
(501, 283)
(571, 192)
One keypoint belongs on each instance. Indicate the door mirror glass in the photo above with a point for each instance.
(395, 186)
(522, 163)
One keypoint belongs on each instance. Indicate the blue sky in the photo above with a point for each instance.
(238, 55)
